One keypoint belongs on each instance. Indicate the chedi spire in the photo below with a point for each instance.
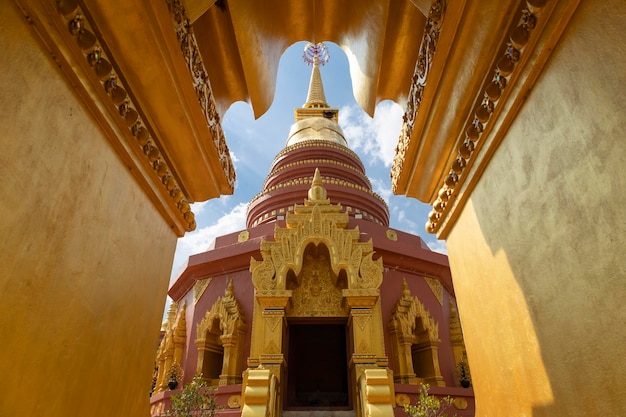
(316, 55)
(316, 142)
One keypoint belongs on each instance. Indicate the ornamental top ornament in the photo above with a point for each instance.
(316, 53)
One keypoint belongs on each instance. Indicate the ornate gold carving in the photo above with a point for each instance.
(317, 162)
(189, 48)
(463, 373)
(414, 330)
(392, 235)
(422, 68)
(317, 221)
(314, 143)
(484, 107)
(263, 272)
(223, 328)
(371, 272)
(316, 296)
(460, 403)
(199, 287)
(243, 236)
(325, 180)
(170, 350)
(92, 49)
(272, 322)
(226, 312)
(456, 334)
(402, 399)
(409, 308)
(234, 401)
(436, 288)
(363, 346)
(362, 321)
(272, 348)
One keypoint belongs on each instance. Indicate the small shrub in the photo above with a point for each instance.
(428, 405)
(194, 400)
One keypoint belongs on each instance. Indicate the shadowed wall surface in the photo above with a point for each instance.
(85, 256)
(537, 253)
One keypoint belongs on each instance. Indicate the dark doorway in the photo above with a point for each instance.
(317, 367)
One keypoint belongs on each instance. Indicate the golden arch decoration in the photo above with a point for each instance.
(220, 341)
(170, 352)
(316, 223)
(294, 270)
(415, 339)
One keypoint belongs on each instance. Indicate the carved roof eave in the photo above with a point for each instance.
(245, 40)
(142, 46)
(468, 54)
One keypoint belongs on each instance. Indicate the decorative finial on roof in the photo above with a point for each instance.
(317, 192)
(229, 289)
(406, 292)
(316, 54)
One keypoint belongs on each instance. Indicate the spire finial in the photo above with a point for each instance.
(229, 289)
(317, 192)
(406, 292)
(316, 54)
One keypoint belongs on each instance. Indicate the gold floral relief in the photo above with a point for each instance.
(317, 296)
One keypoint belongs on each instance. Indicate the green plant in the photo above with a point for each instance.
(194, 400)
(428, 405)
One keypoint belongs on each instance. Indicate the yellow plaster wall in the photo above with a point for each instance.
(84, 256)
(538, 254)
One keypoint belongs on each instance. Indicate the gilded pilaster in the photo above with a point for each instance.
(273, 305)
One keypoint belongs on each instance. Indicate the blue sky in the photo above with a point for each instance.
(254, 143)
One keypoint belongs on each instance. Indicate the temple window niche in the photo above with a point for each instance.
(220, 341)
(415, 341)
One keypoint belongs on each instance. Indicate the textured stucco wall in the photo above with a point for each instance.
(84, 256)
(537, 255)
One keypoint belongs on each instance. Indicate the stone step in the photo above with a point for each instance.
(319, 413)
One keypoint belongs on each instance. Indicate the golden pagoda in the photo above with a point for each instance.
(318, 305)
(513, 132)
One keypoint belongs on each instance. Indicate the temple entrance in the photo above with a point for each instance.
(317, 375)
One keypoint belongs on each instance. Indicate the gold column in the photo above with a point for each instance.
(366, 328)
(403, 360)
(231, 369)
(168, 359)
(271, 344)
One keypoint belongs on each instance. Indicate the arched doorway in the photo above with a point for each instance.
(317, 339)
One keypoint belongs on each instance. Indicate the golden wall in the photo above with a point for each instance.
(85, 256)
(537, 254)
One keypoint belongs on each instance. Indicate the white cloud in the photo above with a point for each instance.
(438, 246)
(199, 208)
(201, 239)
(377, 137)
